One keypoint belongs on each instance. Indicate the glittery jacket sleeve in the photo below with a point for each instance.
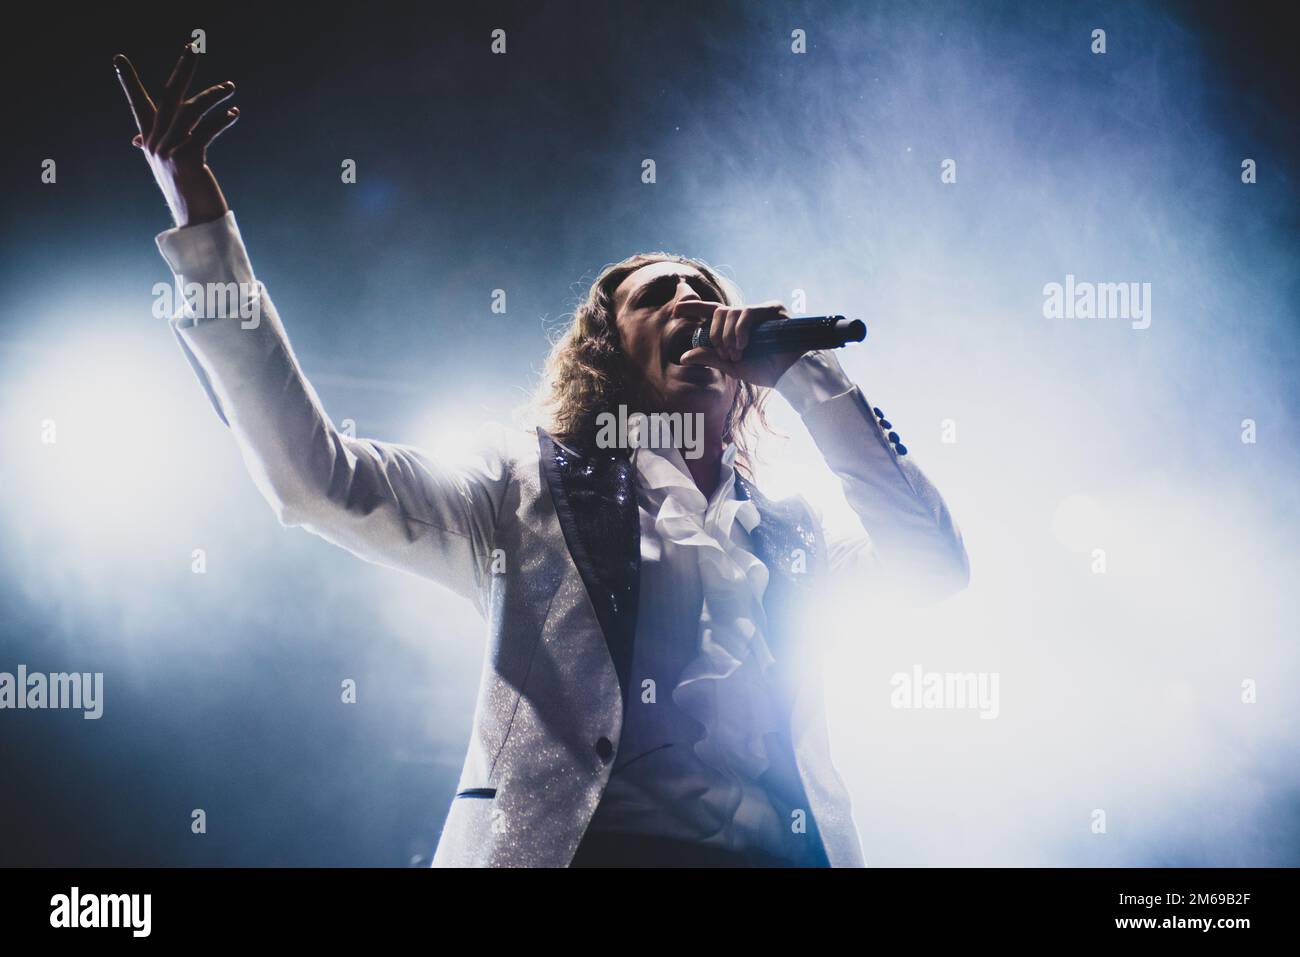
(390, 504)
(911, 543)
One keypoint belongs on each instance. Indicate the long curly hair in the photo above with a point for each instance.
(585, 373)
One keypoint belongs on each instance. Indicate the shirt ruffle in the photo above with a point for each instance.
(726, 687)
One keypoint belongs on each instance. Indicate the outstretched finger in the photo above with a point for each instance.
(142, 107)
(173, 94)
(210, 127)
(695, 309)
(182, 72)
(192, 111)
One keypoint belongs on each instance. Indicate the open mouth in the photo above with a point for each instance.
(679, 343)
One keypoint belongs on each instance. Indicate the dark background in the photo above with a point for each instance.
(522, 172)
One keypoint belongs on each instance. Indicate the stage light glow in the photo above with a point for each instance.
(107, 439)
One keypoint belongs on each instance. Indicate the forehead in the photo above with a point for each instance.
(648, 274)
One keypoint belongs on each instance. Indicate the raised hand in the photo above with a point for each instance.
(175, 133)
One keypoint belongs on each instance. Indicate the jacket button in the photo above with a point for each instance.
(900, 448)
(879, 414)
(893, 437)
(605, 749)
(885, 424)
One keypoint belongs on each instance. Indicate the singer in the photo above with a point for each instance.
(651, 691)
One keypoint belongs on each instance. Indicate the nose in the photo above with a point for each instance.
(685, 292)
(690, 292)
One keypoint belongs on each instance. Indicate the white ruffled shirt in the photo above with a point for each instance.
(701, 701)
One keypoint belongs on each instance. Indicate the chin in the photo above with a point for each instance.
(701, 396)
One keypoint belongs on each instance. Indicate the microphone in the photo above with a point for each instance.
(795, 335)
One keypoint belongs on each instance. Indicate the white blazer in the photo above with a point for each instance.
(550, 705)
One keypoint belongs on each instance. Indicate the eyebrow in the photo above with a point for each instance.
(696, 281)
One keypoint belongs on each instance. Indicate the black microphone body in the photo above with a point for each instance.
(795, 335)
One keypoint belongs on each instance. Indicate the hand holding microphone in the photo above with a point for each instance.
(759, 343)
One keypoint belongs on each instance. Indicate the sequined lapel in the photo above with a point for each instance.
(784, 539)
(595, 500)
